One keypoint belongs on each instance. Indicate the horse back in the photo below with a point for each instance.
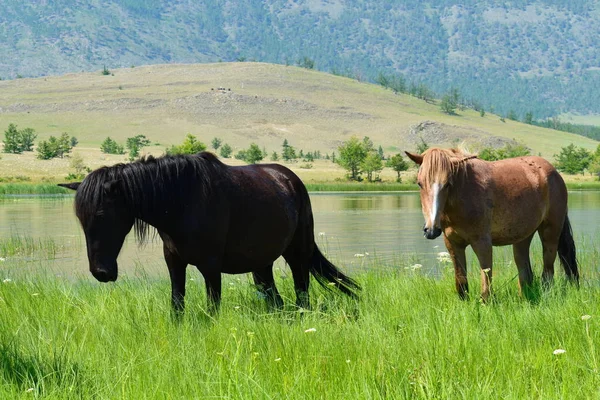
(268, 205)
(526, 192)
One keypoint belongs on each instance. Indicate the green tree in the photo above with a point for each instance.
(380, 152)
(510, 150)
(398, 164)
(54, 147)
(135, 144)
(190, 145)
(306, 62)
(371, 164)
(241, 155)
(288, 153)
(573, 160)
(422, 146)
(63, 145)
(27, 137)
(448, 105)
(216, 143)
(12, 141)
(110, 146)
(512, 115)
(226, 151)
(17, 141)
(528, 119)
(46, 150)
(594, 166)
(368, 144)
(78, 166)
(74, 141)
(254, 154)
(274, 156)
(352, 154)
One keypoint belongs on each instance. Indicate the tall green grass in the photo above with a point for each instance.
(24, 245)
(407, 337)
(31, 188)
(51, 188)
(360, 187)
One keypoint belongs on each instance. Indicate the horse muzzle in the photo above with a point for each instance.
(432, 233)
(105, 274)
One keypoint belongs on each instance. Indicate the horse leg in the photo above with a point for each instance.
(549, 236)
(211, 271)
(521, 255)
(301, 275)
(483, 251)
(263, 279)
(459, 259)
(177, 272)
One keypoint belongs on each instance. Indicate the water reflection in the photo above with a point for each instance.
(384, 225)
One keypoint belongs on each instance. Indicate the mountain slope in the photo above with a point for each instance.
(262, 103)
(537, 56)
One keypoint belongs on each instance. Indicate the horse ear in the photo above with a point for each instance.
(72, 185)
(111, 187)
(417, 158)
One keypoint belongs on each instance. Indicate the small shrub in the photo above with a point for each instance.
(109, 146)
(190, 145)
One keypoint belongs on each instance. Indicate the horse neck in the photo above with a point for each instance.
(149, 197)
(466, 186)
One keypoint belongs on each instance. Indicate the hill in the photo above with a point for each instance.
(261, 103)
(521, 55)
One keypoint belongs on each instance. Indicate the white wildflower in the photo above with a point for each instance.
(7, 280)
(558, 352)
(444, 257)
(310, 330)
(585, 317)
(359, 255)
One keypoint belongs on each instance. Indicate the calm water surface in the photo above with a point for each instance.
(385, 226)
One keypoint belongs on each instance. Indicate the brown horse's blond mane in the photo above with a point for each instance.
(443, 165)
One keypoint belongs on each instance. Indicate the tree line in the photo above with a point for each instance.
(358, 156)
(17, 141)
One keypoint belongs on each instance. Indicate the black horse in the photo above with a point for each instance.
(221, 219)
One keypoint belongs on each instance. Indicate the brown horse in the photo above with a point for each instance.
(484, 204)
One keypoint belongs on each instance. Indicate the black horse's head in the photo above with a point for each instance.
(106, 220)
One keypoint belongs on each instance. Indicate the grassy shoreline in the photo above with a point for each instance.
(26, 188)
(408, 337)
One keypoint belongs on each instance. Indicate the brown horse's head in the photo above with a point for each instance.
(436, 175)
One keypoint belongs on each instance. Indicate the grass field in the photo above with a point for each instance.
(266, 104)
(407, 337)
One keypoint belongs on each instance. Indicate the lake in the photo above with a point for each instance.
(352, 228)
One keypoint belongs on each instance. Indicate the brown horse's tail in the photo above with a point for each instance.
(329, 275)
(567, 253)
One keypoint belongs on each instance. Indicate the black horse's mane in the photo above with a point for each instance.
(150, 184)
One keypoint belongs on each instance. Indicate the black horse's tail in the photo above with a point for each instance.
(567, 253)
(329, 275)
